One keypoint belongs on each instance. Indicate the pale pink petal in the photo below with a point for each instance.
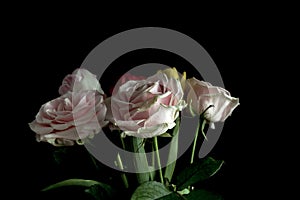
(70, 117)
(149, 132)
(80, 80)
(149, 107)
(163, 115)
(40, 128)
(201, 95)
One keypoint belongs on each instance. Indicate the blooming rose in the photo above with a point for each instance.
(70, 118)
(123, 79)
(201, 95)
(147, 108)
(80, 79)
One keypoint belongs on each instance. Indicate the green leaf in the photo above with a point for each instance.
(172, 152)
(140, 161)
(71, 182)
(203, 195)
(149, 191)
(97, 189)
(198, 171)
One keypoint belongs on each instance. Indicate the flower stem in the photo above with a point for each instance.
(123, 175)
(158, 160)
(153, 156)
(173, 151)
(123, 143)
(202, 123)
(120, 165)
(195, 142)
(152, 173)
(140, 160)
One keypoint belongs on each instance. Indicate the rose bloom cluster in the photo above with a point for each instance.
(143, 107)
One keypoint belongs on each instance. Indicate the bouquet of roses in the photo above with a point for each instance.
(136, 130)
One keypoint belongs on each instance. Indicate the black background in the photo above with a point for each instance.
(42, 53)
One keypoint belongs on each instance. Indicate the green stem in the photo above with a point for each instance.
(140, 159)
(195, 142)
(158, 160)
(173, 151)
(122, 141)
(123, 175)
(152, 173)
(202, 122)
(153, 155)
(120, 164)
(202, 128)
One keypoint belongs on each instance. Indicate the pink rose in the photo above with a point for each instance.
(127, 77)
(123, 79)
(147, 108)
(70, 118)
(80, 79)
(201, 95)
